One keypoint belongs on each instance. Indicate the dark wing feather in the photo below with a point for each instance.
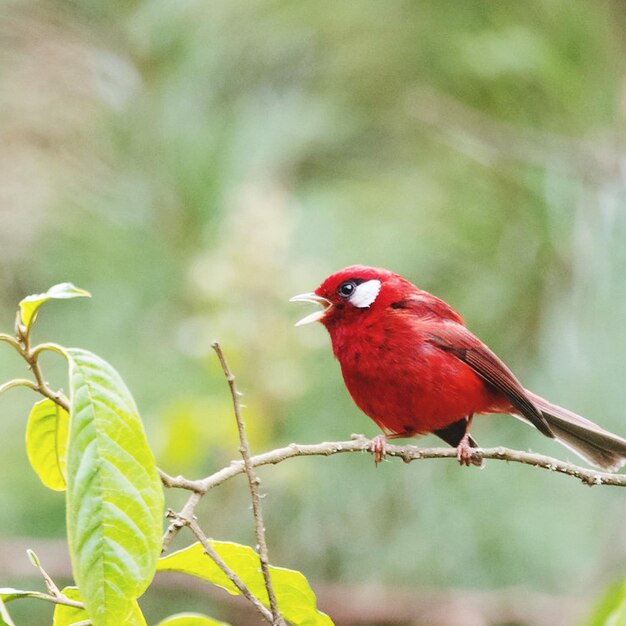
(426, 306)
(459, 341)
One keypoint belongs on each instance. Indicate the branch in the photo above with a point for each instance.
(18, 382)
(54, 593)
(32, 358)
(11, 341)
(187, 518)
(21, 343)
(253, 482)
(180, 522)
(407, 453)
(359, 443)
(60, 599)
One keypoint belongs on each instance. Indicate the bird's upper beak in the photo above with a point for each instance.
(315, 299)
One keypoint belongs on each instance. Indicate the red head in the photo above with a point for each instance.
(353, 294)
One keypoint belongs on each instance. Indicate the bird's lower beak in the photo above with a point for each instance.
(315, 299)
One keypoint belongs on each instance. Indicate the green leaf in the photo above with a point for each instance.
(190, 619)
(8, 593)
(295, 597)
(63, 291)
(5, 618)
(67, 615)
(46, 442)
(611, 610)
(114, 494)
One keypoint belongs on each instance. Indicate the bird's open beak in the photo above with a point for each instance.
(315, 299)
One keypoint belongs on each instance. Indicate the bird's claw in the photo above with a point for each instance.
(378, 447)
(466, 455)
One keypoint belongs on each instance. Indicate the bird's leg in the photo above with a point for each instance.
(378, 446)
(464, 452)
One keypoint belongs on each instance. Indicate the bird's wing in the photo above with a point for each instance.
(457, 340)
(423, 305)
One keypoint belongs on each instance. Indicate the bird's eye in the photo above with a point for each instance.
(345, 290)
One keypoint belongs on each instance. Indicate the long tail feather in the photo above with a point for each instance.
(588, 440)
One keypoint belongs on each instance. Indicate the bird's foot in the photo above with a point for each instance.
(378, 447)
(466, 455)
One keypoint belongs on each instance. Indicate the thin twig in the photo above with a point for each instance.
(179, 519)
(209, 550)
(53, 590)
(42, 385)
(57, 598)
(12, 341)
(21, 343)
(359, 443)
(253, 482)
(407, 453)
(60, 599)
(54, 593)
(18, 382)
(180, 482)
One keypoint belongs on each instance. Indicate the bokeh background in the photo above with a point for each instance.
(195, 163)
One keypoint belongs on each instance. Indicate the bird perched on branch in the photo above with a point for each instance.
(411, 365)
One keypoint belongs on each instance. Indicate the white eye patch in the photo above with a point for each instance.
(365, 294)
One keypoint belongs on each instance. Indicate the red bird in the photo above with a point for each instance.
(410, 363)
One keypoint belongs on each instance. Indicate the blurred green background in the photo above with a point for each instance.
(195, 163)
